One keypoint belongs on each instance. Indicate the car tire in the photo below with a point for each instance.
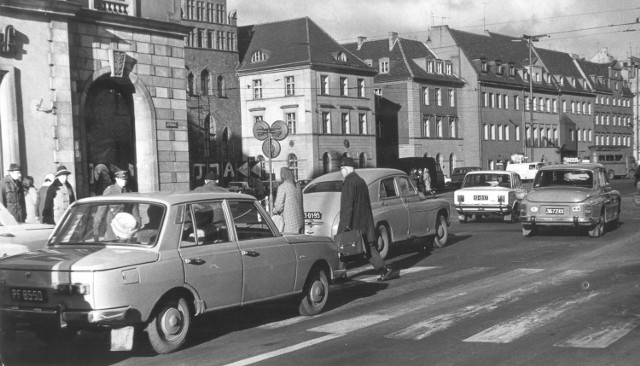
(442, 232)
(168, 329)
(315, 293)
(613, 224)
(384, 241)
(463, 219)
(56, 337)
(528, 230)
(597, 230)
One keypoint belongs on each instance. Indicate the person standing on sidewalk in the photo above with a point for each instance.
(13, 194)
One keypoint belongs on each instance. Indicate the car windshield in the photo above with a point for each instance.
(574, 178)
(486, 180)
(113, 222)
(331, 186)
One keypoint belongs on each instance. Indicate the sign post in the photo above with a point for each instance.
(270, 147)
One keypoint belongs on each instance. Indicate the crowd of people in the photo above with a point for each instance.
(422, 180)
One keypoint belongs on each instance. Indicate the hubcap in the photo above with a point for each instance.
(172, 321)
(317, 292)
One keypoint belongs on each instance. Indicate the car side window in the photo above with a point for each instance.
(187, 238)
(387, 188)
(210, 223)
(405, 187)
(249, 221)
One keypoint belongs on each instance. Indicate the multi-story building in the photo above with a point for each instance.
(416, 104)
(293, 71)
(94, 85)
(633, 75)
(213, 96)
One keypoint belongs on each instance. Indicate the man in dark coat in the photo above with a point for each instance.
(59, 197)
(356, 214)
(211, 184)
(12, 193)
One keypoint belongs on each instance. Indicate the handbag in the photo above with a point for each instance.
(279, 221)
(350, 244)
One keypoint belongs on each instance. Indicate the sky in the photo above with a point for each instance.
(582, 27)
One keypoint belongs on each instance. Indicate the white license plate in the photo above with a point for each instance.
(554, 211)
(480, 198)
(313, 215)
(29, 294)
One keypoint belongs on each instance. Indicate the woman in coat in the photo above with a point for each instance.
(59, 197)
(30, 199)
(288, 203)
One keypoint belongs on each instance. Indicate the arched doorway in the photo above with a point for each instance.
(109, 131)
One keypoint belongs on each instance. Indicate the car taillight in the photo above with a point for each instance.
(501, 198)
(461, 198)
(72, 288)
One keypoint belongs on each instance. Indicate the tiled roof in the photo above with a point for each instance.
(594, 71)
(290, 43)
(561, 64)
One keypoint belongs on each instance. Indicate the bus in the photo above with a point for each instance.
(616, 159)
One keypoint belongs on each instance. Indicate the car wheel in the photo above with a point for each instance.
(169, 328)
(611, 174)
(316, 293)
(56, 337)
(384, 241)
(463, 219)
(528, 230)
(613, 224)
(442, 232)
(598, 229)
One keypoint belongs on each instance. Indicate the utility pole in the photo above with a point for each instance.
(529, 40)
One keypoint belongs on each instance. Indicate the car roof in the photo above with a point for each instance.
(168, 197)
(588, 166)
(492, 172)
(367, 174)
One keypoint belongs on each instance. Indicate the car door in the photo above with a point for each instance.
(390, 208)
(212, 261)
(268, 260)
(416, 205)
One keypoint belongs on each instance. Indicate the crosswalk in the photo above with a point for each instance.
(483, 291)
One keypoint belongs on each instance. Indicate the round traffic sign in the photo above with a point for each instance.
(261, 130)
(279, 130)
(271, 150)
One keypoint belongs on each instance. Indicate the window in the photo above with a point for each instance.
(439, 67)
(248, 221)
(507, 132)
(534, 102)
(439, 132)
(564, 106)
(517, 133)
(292, 160)
(362, 123)
(493, 132)
(492, 100)
(426, 127)
(425, 96)
(573, 107)
(361, 88)
(485, 132)
(222, 87)
(326, 122)
(449, 69)
(485, 99)
(199, 37)
(384, 65)
(324, 84)
(344, 86)
(500, 133)
(208, 225)
(257, 119)
(516, 102)
(506, 101)
(499, 98)
(555, 106)
(430, 67)
(346, 125)
(209, 39)
(190, 89)
(341, 56)
(512, 70)
(527, 103)
(589, 108)
(438, 97)
(548, 104)
(257, 89)
(291, 122)
(452, 98)
(289, 85)
(256, 57)
(484, 67)
(499, 69)
(452, 127)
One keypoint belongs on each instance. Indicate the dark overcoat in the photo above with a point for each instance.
(12, 195)
(355, 208)
(56, 201)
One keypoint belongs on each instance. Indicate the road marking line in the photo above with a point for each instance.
(601, 336)
(508, 331)
(285, 350)
(350, 325)
(433, 325)
(284, 323)
(401, 272)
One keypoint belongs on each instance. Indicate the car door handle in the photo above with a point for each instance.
(196, 261)
(250, 253)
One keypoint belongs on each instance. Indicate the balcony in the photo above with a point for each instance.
(121, 7)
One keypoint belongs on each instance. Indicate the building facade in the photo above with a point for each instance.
(94, 85)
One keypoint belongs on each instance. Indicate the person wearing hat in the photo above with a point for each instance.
(120, 186)
(12, 193)
(124, 227)
(59, 197)
(42, 195)
(211, 184)
(356, 214)
(103, 223)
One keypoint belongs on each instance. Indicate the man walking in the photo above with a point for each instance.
(211, 184)
(356, 214)
(12, 193)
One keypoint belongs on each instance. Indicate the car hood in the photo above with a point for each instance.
(78, 259)
(326, 203)
(559, 194)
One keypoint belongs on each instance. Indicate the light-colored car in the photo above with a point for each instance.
(194, 253)
(20, 238)
(400, 212)
(577, 195)
(489, 192)
(457, 175)
(527, 171)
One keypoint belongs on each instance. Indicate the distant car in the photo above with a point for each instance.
(400, 212)
(194, 253)
(527, 171)
(575, 195)
(239, 187)
(489, 192)
(20, 238)
(457, 175)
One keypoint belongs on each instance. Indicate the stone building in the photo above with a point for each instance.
(92, 84)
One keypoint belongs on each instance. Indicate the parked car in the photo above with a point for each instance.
(489, 192)
(457, 175)
(20, 238)
(576, 195)
(193, 253)
(400, 212)
(527, 171)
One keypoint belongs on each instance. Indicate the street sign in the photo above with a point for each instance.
(279, 130)
(244, 169)
(271, 150)
(261, 130)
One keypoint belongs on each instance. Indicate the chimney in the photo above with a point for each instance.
(393, 37)
(361, 41)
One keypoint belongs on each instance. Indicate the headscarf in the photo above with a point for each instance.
(286, 174)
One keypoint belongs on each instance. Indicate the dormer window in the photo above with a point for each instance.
(449, 68)
(512, 70)
(341, 56)
(258, 56)
(384, 65)
(439, 67)
(484, 67)
(499, 69)
(430, 67)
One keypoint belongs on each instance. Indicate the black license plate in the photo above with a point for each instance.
(29, 294)
(480, 198)
(313, 215)
(554, 211)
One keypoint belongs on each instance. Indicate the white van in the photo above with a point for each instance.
(527, 171)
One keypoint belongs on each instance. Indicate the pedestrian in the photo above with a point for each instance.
(420, 186)
(356, 214)
(13, 194)
(30, 199)
(59, 197)
(288, 203)
(211, 184)
(42, 195)
(426, 176)
(105, 214)
(103, 180)
(120, 186)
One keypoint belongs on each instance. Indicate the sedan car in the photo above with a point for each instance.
(153, 261)
(20, 238)
(574, 195)
(400, 212)
(489, 192)
(457, 175)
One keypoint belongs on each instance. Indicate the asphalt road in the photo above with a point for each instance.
(490, 297)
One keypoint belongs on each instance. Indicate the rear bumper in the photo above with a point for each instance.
(559, 221)
(484, 209)
(23, 317)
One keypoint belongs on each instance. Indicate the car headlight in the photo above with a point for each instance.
(534, 209)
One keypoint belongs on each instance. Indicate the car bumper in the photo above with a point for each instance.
(559, 221)
(62, 318)
(484, 209)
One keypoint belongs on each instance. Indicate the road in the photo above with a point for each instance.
(490, 297)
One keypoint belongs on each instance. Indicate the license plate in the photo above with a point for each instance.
(480, 198)
(313, 215)
(29, 294)
(554, 211)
